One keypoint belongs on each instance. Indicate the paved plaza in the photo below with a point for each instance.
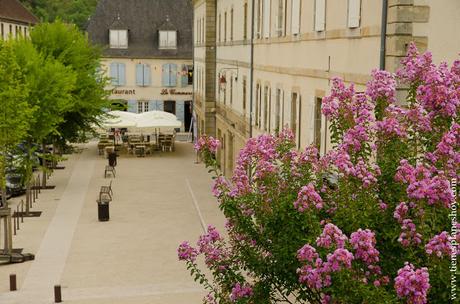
(158, 202)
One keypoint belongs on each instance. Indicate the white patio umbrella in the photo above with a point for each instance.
(157, 120)
(120, 119)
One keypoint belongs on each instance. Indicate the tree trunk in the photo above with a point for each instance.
(45, 163)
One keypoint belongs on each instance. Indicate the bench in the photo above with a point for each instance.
(106, 190)
(109, 169)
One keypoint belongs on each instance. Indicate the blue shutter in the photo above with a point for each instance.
(114, 73)
(132, 106)
(152, 105)
(180, 110)
(184, 76)
(146, 75)
(165, 75)
(121, 74)
(173, 75)
(139, 75)
(160, 105)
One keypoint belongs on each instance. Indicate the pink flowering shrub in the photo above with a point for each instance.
(366, 223)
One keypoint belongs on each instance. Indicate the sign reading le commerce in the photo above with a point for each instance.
(174, 92)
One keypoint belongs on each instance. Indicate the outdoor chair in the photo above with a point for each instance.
(109, 169)
(107, 190)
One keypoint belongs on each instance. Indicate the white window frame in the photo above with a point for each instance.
(320, 15)
(296, 7)
(354, 13)
(118, 39)
(266, 18)
(167, 40)
(142, 106)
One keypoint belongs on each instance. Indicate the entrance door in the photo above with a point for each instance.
(170, 106)
(187, 115)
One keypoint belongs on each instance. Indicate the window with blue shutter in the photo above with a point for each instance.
(121, 74)
(139, 74)
(184, 76)
(132, 106)
(165, 75)
(114, 73)
(147, 80)
(142, 75)
(173, 75)
(169, 75)
(117, 73)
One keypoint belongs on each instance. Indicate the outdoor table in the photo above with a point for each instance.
(140, 150)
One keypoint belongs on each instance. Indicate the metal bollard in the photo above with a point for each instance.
(17, 216)
(22, 211)
(13, 285)
(57, 294)
(14, 223)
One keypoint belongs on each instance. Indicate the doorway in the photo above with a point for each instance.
(170, 106)
(187, 115)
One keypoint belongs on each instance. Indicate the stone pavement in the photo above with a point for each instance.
(158, 202)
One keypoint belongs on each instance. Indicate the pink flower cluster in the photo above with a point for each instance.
(401, 212)
(363, 242)
(366, 173)
(207, 143)
(439, 245)
(339, 94)
(331, 236)
(438, 92)
(209, 299)
(317, 274)
(209, 245)
(414, 65)
(413, 284)
(391, 126)
(339, 259)
(186, 252)
(308, 197)
(409, 235)
(307, 254)
(448, 151)
(220, 186)
(240, 291)
(382, 86)
(425, 184)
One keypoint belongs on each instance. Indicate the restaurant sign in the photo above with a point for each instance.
(123, 92)
(174, 92)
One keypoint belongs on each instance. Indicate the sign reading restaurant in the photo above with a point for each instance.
(123, 92)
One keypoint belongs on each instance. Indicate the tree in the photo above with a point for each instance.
(15, 112)
(67, 45)
(50, 86)
(70, 11)
(372, 221)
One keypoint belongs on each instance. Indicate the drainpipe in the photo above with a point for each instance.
(194, 117)
(383, 34)
(251, 99)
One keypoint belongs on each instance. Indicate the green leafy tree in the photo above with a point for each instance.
(67, 45)
(15, 112)
(70, 11)
(50, 86)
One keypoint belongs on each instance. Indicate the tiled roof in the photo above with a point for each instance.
(143, 19)
(13, 10)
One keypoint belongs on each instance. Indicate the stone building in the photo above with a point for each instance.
(148, 52)
(15, 19)
(298, 46)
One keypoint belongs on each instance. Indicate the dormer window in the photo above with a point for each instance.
(168, 39)
(118, 39)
